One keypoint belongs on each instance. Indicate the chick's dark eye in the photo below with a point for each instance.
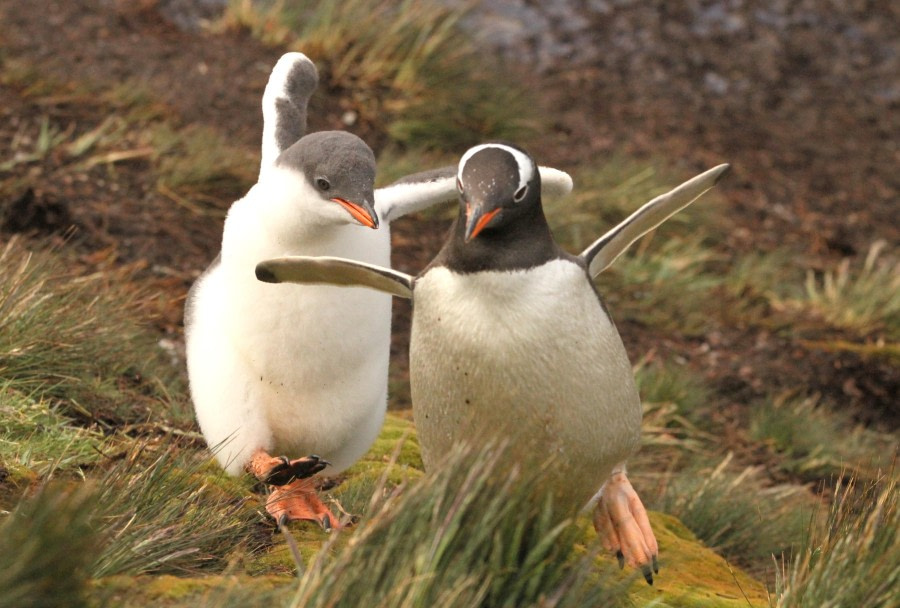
(520, 193)
(323, 183)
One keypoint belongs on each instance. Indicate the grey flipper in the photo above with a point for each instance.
(334, 271)
(608, 247)
(421, 190)
(284, 103)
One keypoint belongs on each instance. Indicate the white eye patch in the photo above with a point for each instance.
(526, 165)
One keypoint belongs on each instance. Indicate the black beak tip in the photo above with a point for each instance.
(265, 274)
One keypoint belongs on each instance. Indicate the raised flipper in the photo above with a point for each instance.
(421, 190)
(284, 103)
(608, 247)
(334, 271)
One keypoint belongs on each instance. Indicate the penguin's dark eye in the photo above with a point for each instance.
(520, 194)
(323, 183)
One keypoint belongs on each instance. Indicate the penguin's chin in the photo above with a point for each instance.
(357, 212)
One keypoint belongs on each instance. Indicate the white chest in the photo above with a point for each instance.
(528, 355)
(300, 337)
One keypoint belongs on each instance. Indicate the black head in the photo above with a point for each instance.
(340, 168)
(499, 184)
(501, 224)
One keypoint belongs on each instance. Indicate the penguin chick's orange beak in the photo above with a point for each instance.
(359, 213)
(476, 221)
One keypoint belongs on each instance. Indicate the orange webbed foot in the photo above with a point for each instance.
(623, 526)
(299, 501)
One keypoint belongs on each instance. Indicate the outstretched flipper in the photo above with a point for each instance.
(284, 102)
(334, 271)
(421, 190)
(608, 247)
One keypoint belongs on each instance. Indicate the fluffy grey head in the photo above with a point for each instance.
(339, 166)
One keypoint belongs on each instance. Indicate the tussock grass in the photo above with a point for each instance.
(404, 67)
(859, 297)
(666, 382)
(863, 300)
(853, 558)
(159, 515)
(673, 285)
(736, 512)
(465, 535)
(172, 515)
(675, 402)
(76, 339)
(606, 194)
(46, 547)
(667, 278)
(814, 440)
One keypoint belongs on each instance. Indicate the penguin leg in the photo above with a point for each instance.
(299, 501)
(623, 526)
(279, 470)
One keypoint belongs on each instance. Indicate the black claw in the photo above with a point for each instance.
(648, 575)
(288, 471)
(655, 565)
(309, 466)
(326, 522)
(621, 557)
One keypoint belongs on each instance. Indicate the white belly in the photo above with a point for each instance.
(288, 368)
(504, 354)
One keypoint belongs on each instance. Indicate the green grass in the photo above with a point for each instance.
(672, 285)
(852, 305)
(406, 69)
(37, 437)
(193, 166)
(676, 406)
(669, 277)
